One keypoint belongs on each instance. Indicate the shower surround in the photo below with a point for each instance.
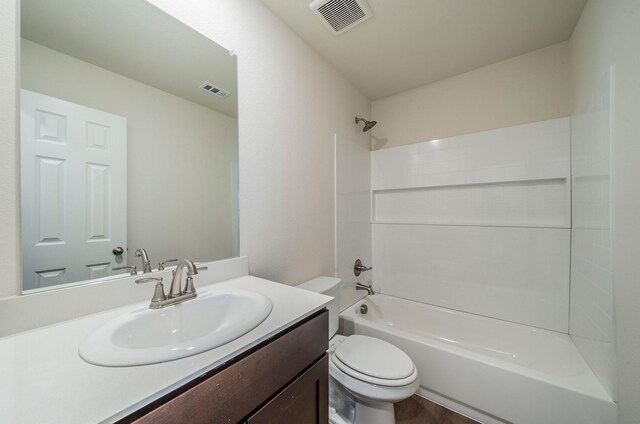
(478, 223)
(481, 225)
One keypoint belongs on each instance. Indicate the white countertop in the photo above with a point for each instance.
(44, 380)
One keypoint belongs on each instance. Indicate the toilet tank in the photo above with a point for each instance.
(329, 286)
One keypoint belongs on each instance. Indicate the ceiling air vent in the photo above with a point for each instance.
(341, 15)
(220, 92)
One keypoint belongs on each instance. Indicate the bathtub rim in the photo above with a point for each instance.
(594, 390)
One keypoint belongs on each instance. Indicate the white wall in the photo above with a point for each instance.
(9, 174)
(532, 87)
(292, 102)
(607, 39)
(197, 146)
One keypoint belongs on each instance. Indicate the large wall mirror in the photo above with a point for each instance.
(129, 140)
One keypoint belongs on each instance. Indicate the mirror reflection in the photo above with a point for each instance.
(128, 142)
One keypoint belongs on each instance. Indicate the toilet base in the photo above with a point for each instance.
(378, 413)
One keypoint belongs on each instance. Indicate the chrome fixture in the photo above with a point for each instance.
(146, 263)
(176, 294)
(367, 124)
(158, 300)
(189, 290)
(358, 268)
(118, 250)
(369, 289)
(132, 269)
(161, 264)
(364, 309)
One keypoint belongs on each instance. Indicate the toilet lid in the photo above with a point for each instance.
(374, 357)
(369, 379)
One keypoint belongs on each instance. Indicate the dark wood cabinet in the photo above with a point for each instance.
(283, 380)
(303, 401)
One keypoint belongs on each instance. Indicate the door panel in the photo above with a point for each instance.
(74, 190)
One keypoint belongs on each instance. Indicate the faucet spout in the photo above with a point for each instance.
(146, 263)
(192, 270)
(176, 294)
(369, 289)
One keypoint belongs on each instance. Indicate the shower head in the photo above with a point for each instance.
(367, 124)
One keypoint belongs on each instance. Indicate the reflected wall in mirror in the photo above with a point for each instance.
(129, 140)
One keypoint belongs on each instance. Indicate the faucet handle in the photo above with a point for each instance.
(358, 268)
(198, 268)
(158, 294)
(161, 264)
(132, 269)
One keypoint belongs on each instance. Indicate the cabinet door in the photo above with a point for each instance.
(231, 394)
(305, 401)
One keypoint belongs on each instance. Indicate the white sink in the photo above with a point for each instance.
(150, 336)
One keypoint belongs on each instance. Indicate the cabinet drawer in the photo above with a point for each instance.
(232, 393)
(306, 400)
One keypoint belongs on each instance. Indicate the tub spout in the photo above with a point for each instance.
(369, 289)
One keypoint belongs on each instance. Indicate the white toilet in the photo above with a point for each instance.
(367, 375)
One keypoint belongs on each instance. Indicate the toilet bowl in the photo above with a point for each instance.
(375, 373)
(367, 375)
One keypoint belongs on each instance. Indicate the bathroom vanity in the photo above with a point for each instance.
(284, 380)
(276, 372)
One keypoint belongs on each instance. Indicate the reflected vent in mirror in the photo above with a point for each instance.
(341, 15)
(213, 89)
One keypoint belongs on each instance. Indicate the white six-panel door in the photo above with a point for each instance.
(74, 190)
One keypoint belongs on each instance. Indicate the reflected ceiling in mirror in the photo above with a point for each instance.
(128, 140)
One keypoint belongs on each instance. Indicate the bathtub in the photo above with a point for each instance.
(490, 370)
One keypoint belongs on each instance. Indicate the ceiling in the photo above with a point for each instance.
(137, 40)
(409, 43)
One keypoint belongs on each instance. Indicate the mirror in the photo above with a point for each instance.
(129, 139)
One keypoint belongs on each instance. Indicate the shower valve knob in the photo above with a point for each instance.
(358, 268)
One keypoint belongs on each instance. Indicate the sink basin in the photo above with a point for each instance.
(151, 336)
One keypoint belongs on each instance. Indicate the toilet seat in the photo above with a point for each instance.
(373, 380)
(368, 392)
(374, 361)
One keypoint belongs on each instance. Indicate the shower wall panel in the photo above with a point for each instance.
(478, 223)
(353, 214)
(592, 319)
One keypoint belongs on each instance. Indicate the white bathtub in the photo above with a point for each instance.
(491, 370)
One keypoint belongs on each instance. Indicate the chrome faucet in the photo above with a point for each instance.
(146, 263)
(189, 289)
(176, 293)
(369, 289)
